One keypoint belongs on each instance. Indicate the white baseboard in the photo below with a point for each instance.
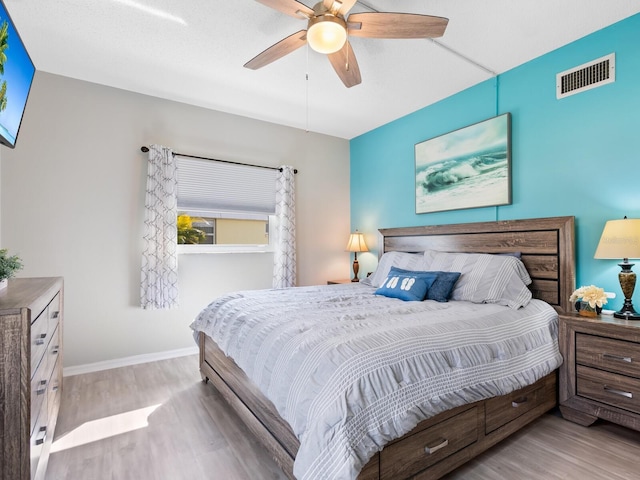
(127, 361)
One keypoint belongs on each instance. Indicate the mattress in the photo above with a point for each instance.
(350, 370)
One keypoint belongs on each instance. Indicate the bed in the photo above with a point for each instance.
(452, 436)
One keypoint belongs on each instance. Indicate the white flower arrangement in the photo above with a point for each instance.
(592, 295)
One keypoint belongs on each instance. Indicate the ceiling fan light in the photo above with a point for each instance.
(326, 33)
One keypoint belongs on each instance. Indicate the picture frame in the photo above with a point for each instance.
(466, 168)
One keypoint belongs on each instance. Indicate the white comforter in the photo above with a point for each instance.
(351, 371)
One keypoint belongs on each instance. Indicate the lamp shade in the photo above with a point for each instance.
(326, 33)
(620, 239)
(356, 243)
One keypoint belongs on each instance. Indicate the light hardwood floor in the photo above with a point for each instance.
(159, 421)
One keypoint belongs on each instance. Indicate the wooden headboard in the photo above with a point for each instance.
(547, 246)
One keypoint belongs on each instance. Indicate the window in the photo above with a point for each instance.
(224, 207)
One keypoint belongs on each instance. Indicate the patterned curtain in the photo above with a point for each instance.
(159, 282)
(284, 271)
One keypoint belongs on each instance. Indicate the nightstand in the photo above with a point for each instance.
(342, 280)
(600, 376)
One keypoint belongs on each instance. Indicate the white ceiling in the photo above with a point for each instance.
(193, 51)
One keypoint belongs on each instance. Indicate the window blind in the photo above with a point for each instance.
(209, 186)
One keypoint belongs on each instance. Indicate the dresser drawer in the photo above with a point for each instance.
(47, 373)
(53, 312)
(501, 410)
(39, 339)
(54, 386)
(610, 388)
(53, 351)
(39, 387)
(427, 447)
(608, 354)
(38, 438)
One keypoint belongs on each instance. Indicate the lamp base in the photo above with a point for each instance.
(627, 315)
(356, 268)
(627, 280)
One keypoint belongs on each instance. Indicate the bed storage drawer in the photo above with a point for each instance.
(422, 449)
(502, 410)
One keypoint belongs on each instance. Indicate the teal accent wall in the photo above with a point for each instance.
(577, 156)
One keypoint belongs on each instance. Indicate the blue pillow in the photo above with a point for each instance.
(440, 289)
(406, 287)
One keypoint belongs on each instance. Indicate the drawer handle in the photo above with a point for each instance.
(519, 401)
(616, 357)
(40, 339)
(618, 392)
(55, 314)
(432, 450)
(41, 391)
(55, 350)
(42, 436)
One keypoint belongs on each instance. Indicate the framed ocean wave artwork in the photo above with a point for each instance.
(466, 168)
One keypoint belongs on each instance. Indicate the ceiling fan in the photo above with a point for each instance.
(328, 28)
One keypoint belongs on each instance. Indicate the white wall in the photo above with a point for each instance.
(72, 195)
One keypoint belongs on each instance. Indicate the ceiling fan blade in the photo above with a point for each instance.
(396, 25)
(278, 50)
(345, 64)
(340, 6)
(290, 7)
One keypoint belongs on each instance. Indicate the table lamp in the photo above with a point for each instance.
(356, 244)
(621, 239)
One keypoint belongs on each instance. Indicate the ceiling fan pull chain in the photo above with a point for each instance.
(306, 83)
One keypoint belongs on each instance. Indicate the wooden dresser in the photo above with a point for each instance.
(600, 376)
(30, 374)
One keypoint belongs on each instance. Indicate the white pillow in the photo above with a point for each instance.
(484, 278)
(407, 261)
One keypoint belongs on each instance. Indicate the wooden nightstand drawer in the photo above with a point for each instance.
(608, 354)
(610, 388)
(411, 455)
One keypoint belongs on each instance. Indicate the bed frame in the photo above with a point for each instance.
(442, 443)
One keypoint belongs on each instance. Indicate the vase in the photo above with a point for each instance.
(586, 310)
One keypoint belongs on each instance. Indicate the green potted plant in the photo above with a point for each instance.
(8, 266)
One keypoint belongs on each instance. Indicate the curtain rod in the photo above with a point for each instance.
(145, 149)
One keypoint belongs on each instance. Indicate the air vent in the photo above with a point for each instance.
(585, 77)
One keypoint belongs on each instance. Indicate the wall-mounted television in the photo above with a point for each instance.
(16, 75)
